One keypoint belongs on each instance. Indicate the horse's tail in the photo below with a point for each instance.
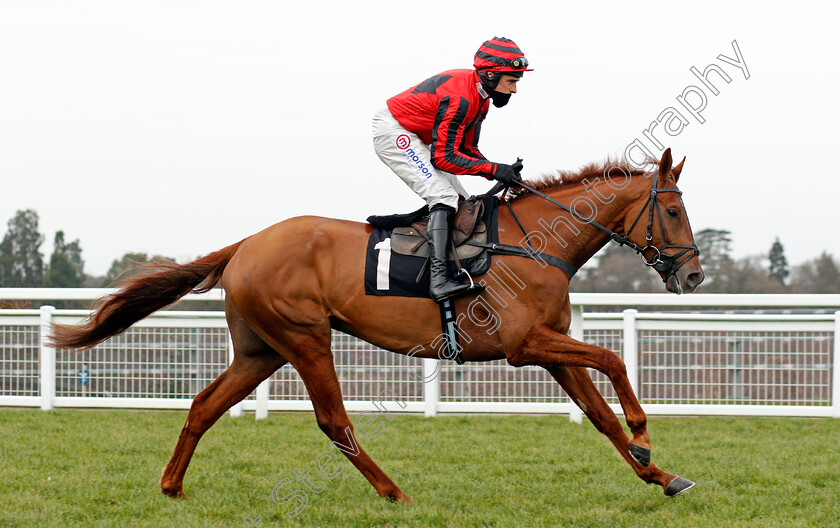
(140, 296)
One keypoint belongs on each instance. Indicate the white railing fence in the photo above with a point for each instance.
(767, 355)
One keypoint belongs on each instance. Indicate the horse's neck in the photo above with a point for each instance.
(583, 240)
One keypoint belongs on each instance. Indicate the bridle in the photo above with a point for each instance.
(668, 264)
(660, 261)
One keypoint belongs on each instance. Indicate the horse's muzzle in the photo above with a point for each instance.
(686, 279)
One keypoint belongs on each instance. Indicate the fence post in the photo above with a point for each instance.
(576, 332)
(431, 385)
(835, 367)
(236, 410)
(262, 399)
(631, 351)
(47, 356)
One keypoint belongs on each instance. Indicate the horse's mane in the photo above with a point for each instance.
(590, 171)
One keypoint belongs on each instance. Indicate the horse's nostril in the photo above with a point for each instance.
(695, 279)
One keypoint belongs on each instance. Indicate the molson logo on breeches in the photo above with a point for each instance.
(403, 143)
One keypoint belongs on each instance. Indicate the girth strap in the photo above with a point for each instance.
(517, 251)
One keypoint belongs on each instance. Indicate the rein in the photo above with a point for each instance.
(660, 261)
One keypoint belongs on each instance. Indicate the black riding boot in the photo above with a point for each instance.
(442, 287)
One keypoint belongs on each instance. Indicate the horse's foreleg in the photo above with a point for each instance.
(547, 348)
(317, 371)
(580, 388)
(254, 361)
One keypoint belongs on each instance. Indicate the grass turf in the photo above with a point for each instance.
(101, 468)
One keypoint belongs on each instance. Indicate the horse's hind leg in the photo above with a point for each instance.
(314, 363)
(253, 362)
(579, 386)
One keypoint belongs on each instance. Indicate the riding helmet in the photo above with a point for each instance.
(499, 55)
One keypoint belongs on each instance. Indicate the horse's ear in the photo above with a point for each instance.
(664, 167)
(677, 170)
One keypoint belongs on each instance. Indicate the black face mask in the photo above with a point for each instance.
(499, 99)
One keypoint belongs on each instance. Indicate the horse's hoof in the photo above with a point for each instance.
(399, 497)
(174, 493)
(640, 454)
(677, 486)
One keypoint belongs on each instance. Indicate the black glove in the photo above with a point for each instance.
(509, 174)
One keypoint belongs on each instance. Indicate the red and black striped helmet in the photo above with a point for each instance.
(501, 55)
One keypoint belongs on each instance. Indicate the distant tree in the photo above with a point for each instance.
(7, 262)
(819, 275)
(746, 275)
(74, 252)
(21, 261)
(619, 270)
(65, 264)
(802, 278)
(94, 281)
(715, 248)
(61, 273)
(827, 277)
(128, 266)
(715, 245)
(778, 263)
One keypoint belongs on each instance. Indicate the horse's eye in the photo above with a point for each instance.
(673, 213)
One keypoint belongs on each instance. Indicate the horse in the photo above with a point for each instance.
(287, 286)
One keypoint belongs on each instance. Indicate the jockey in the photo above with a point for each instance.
(429, 133)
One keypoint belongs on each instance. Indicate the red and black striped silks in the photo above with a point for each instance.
(446, 112)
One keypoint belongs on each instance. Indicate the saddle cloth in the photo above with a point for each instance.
(397, 251)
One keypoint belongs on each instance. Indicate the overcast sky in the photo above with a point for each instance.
(177, 128)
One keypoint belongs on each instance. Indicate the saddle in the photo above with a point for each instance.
(410, 237)
(397, 254)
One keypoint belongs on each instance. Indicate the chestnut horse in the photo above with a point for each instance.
(288, 285)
